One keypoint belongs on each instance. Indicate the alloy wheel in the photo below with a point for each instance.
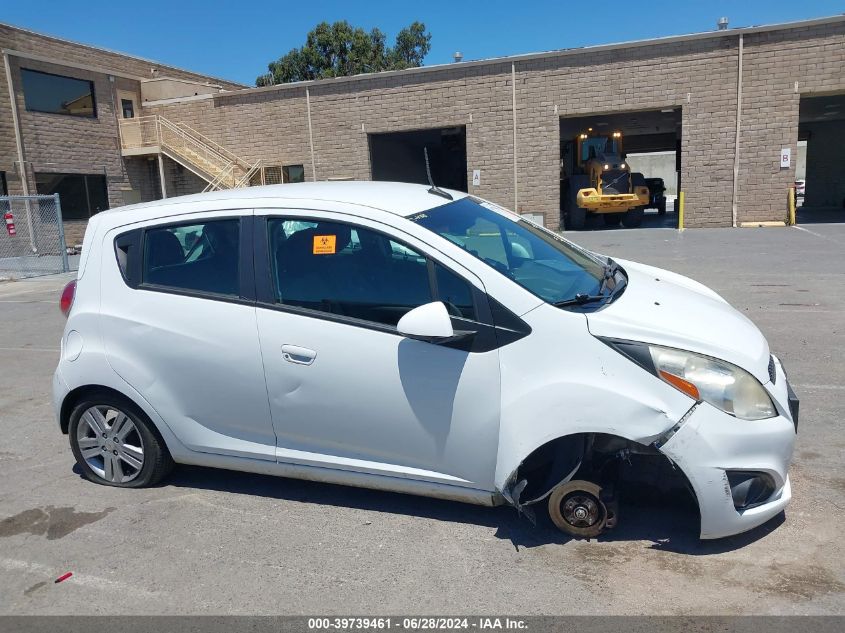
(110, 443)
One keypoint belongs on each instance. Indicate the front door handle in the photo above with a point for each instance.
(298, 355)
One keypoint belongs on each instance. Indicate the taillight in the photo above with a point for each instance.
(66, 302)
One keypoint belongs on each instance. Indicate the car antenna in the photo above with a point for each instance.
(437, 191)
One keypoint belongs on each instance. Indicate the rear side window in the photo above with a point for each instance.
(345, 270)
(201, 257)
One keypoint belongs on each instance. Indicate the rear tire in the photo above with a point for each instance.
(612, 219)
(661, 208)
(633, 218)
(116, 444)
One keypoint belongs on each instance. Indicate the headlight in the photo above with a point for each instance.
(725, 386)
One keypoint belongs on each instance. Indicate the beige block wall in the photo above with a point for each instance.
(698, 76)
(778, 69)
(68, 144)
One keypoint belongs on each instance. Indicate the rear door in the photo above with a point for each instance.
(178, 322)
(346, 390)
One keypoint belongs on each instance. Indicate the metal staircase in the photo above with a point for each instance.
(209, 160)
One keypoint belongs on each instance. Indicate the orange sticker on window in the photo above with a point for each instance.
(324, 244)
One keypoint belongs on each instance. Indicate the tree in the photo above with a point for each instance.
(340, 50)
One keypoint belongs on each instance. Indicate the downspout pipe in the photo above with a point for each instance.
(738, 131)
(515, 174)
(13, 102)
(310, 134)
(16, 124)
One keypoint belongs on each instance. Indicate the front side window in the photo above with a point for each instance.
(455, 293)
(538, 260)
(57, 94)
(346, 270)
(201, 257)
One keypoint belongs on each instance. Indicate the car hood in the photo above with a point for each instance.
(664, 308)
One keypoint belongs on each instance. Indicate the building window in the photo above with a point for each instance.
(274, 175)
(128, 108)
(293, 173)
(80, 195)
(55, 94)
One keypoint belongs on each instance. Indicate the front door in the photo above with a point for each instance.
(128, 104)
(127, 108)
(346, 390)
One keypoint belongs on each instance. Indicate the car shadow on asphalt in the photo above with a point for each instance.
(668, 521)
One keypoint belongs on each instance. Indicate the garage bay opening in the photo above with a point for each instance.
(620, 169)
(819, 186)
(399, 156)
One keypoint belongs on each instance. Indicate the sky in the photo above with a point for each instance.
(236, 40)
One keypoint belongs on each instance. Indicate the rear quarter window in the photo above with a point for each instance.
(198, 256)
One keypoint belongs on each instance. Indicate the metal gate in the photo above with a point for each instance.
(32, 238)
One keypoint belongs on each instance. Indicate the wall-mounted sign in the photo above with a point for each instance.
(785, 157)
(476, 177)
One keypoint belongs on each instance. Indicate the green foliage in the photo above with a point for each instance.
(339, 50)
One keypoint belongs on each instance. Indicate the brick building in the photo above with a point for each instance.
(728, 102)
(71, 145)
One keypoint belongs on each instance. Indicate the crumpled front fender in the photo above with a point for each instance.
(575, 383)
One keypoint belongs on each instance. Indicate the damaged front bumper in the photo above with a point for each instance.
(724, 457)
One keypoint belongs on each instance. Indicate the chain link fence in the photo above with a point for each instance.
(32, 239)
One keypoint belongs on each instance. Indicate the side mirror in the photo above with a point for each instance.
(428, 322)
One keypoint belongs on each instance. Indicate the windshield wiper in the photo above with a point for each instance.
(580, 299)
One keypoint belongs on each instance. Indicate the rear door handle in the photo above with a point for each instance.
(298, 355)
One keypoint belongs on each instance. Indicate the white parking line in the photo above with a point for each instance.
(86, 580)
(30, 349)
(824, 237)
(821, 387)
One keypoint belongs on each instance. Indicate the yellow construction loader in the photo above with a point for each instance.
(595, 178)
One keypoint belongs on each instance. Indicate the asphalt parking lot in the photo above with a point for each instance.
(216, 542)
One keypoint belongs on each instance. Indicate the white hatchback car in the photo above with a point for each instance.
(404, 338)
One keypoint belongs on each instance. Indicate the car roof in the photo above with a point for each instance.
(393, 197)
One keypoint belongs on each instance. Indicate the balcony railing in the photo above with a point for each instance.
(220, 167)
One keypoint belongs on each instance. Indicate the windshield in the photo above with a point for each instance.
(596, 146)
(538, 260)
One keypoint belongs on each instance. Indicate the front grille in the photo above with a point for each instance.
(773, 375)
(615, 181)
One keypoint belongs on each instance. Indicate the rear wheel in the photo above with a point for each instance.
(661, 207)
(576, 508)
(612, 219)
(115, 444)
(633, 218)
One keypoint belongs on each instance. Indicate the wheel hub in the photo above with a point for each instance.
(580, 510)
